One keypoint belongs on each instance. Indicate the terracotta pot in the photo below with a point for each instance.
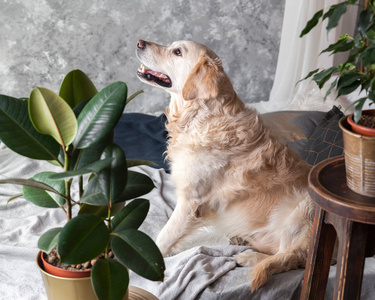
(359, 153)
(366, 131)
(60, 288)
(63, 273)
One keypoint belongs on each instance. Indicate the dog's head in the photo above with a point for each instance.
(186, 68)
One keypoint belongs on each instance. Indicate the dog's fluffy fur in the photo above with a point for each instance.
(229, 171)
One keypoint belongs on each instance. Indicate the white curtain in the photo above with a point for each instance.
(298, 56)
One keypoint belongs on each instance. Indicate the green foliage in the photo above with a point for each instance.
(358, 71)
(75, 131)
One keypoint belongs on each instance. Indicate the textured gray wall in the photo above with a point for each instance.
(42, 40)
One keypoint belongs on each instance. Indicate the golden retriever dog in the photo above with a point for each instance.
(229, 171)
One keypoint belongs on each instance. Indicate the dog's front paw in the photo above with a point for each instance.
(249, 259)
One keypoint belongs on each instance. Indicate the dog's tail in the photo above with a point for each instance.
(278, 263)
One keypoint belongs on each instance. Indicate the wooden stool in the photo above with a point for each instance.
(346, 215)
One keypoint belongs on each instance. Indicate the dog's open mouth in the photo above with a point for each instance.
(157, 77)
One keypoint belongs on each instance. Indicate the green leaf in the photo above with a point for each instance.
(110, 279)
(131, 216)
(93, 194)
(365, 20)
(19, 134)
(51, 115)
(139, 253)
(368, 56)
(83, 238)
(131, 162)
(29, 183)
(100, 115)
(42, 197)
(322, 77)
(358, 109)
(100, 211)
(308, 75)
(77, 87)
(340, 45)
(49, 239)
(333, 84)
(91, 154)
(348, 79)
(335, 17)
(312, 23)
(137, 185)
(95, 167)
(348, 89)
(112, 180)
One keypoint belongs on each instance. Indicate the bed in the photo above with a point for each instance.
(205, 271)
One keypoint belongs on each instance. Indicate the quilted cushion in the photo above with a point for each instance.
(326, 141)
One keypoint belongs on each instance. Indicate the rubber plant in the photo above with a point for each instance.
(74, 130)
(358, 71)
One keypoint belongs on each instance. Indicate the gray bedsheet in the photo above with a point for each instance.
(202, 272)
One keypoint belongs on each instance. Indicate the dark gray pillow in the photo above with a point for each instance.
(326, 140)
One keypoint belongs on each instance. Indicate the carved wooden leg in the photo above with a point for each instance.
(350, 260)
(322, 243)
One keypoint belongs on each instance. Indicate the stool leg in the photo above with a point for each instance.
(322, 243)
(350, 259)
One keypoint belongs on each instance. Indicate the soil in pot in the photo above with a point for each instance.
(367, 121)
(366, 124)
(53, 258)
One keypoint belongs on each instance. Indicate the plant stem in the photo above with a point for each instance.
(68, 183)
(133, 96)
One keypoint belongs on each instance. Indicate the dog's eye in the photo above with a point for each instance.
(177, 52)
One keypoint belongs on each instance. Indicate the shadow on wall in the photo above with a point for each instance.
(43, 40)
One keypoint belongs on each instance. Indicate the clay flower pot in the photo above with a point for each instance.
(359, 160)
(366, 131)
(72, 288)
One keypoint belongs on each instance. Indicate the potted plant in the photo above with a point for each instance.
(357, 72)
(74, 130)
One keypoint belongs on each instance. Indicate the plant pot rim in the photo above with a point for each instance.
(61, 273)
(345, 126)
(359, 129)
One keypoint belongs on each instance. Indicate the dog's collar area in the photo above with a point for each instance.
(157, 77)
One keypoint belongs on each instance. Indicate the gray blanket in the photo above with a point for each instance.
(206, 271)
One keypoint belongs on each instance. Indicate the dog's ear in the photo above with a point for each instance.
(202, 82)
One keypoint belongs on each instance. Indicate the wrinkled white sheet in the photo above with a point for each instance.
(202, 272)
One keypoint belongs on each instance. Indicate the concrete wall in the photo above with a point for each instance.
(42, 40)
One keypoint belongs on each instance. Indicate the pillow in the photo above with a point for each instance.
(293, 127)
(143, 136)
(326, 141)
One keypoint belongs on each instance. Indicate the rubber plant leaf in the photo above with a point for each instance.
(76, 88)
(101, 211)
(83, 238)
(95, 167)
(100, 115)
(132, 162)
(110, 279)
(18, 133)
(42, 197)
(93, 194)
(51, 115)
(131, 216)
(138, 252)
(137, 185)
(112, 180)
(49, 239)
(30, 183)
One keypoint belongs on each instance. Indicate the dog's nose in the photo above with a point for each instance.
(141, 44)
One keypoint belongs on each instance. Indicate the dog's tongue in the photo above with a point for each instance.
(161, 76)
(148, 72)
